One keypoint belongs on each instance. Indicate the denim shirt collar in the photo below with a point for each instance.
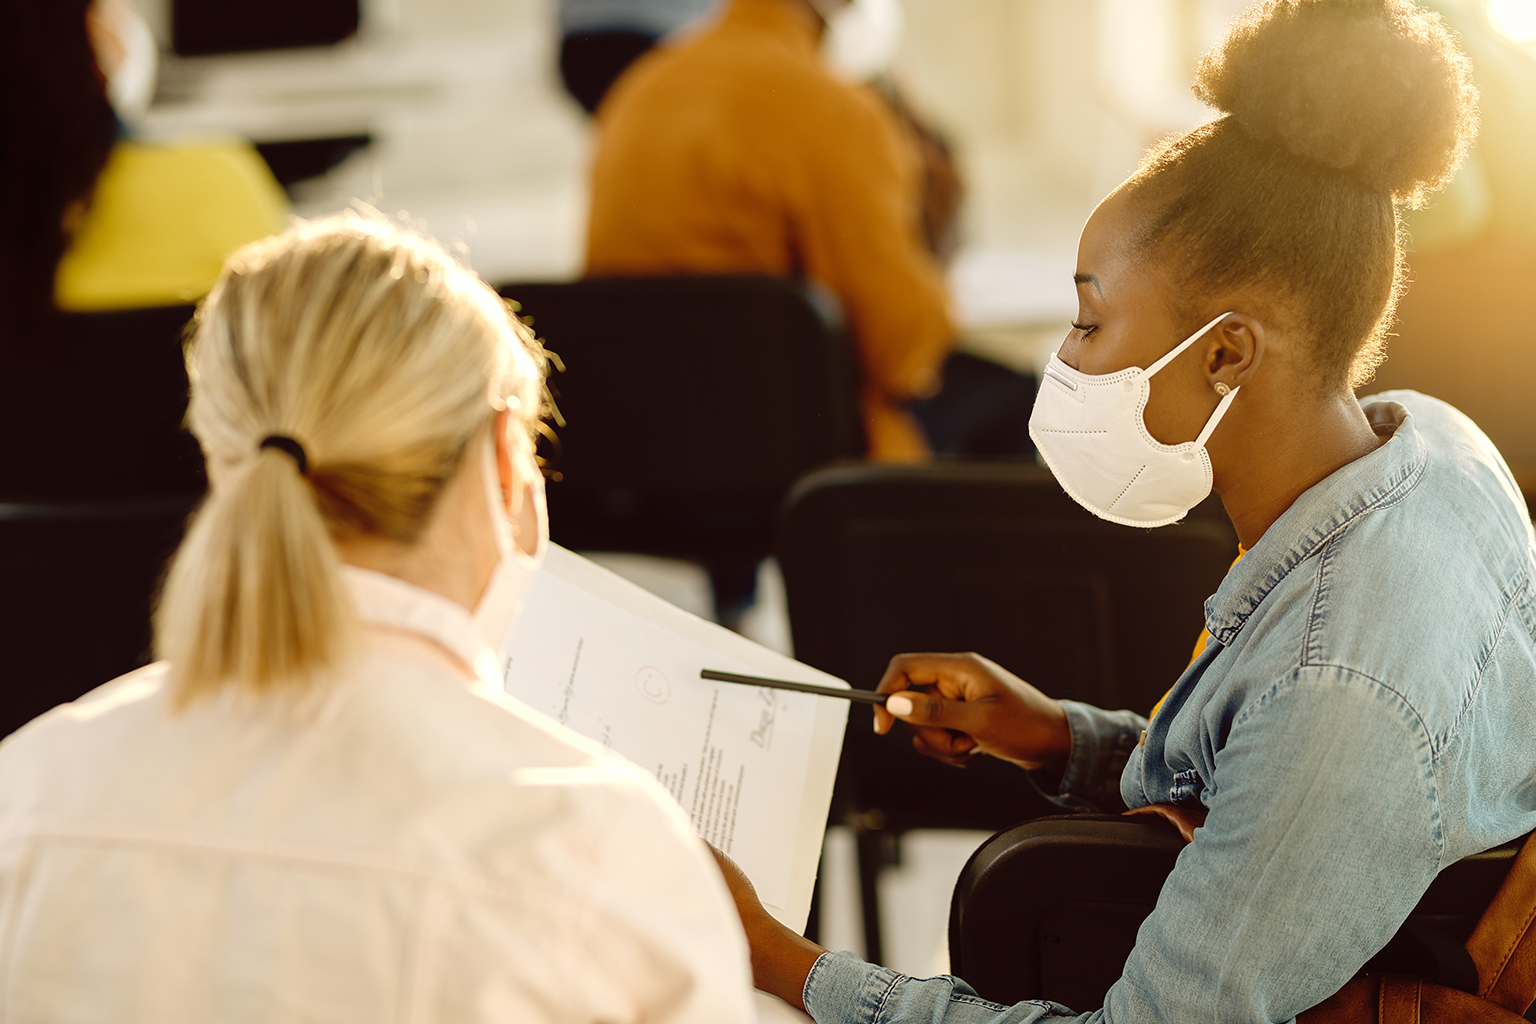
(1318, 515)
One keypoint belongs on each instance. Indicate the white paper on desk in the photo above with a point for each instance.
(752, 767)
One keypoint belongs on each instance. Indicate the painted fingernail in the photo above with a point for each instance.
(899, 705)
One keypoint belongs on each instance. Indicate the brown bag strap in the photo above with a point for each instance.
(1395, 999)
(1399, 1000)
(1503, 945)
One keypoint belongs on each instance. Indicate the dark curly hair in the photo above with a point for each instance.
(1337, 113)
(56, 129)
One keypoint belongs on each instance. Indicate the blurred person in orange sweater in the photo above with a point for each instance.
(738, 151)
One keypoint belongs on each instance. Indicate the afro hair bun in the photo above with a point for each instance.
(1375, 88)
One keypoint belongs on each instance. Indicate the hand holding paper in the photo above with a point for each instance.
(752, 767)
(781, 958)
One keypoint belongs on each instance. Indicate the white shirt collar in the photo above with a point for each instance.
(388, 601)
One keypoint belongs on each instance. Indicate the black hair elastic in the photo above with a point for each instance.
(290, 446)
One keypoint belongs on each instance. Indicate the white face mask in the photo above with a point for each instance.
(502, 602)
(1091, 431)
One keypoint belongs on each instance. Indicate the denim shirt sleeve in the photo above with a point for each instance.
(1322, 835)
(842, 989)
(1102, 742)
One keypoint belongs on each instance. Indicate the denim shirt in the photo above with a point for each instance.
(1363, 717)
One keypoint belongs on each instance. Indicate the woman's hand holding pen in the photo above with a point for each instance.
(961, 705)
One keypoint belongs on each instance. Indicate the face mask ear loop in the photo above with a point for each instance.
(1181, 346)
(495, 498)
(1211, 424)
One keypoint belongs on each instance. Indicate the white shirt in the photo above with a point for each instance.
(416, 847)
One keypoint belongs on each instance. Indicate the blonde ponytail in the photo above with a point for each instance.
(255, 592)
(375, 358)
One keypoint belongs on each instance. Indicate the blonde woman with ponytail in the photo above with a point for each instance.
(320, 805)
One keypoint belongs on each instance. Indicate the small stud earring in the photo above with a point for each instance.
(1222, 389)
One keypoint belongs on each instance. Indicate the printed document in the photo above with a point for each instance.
(751, 767)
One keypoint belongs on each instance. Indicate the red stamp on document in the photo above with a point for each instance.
(653, 685)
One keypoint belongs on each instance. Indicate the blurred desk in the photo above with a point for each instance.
(471, 137)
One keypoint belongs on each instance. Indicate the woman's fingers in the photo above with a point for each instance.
(950, 672)
(961, 676)
(935, 712)
(951, 748)
(941, 729)
(959, 705)
(883, 720)
(895, 679)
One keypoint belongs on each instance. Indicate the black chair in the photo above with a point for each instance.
(993, 558)
(1013, 938)
(78, 580)
(91, 407)
(691, 405)
(97, 476)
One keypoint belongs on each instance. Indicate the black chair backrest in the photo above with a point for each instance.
(91, 406)
(97, 476)
(992, 558)
(1013, 938)
(701, 393)
(79, 580)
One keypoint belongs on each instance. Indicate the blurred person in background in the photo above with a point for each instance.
(91, 218)
(738, 150)
(600, 38)
(161, 217)
(322, 805)
(1358, 713)
(56, 131)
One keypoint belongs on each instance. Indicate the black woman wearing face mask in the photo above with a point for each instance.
(1360, 710)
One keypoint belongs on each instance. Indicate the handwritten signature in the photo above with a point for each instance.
(763, 734)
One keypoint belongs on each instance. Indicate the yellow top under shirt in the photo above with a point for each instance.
(161, 221)
(1205, 638)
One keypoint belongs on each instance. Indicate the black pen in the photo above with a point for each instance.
(863, 696)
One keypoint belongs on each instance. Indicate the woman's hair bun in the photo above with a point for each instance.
(1376, 88)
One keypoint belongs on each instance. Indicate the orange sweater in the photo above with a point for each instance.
(735, 151)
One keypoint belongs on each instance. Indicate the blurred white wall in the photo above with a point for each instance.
(1051, 102)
